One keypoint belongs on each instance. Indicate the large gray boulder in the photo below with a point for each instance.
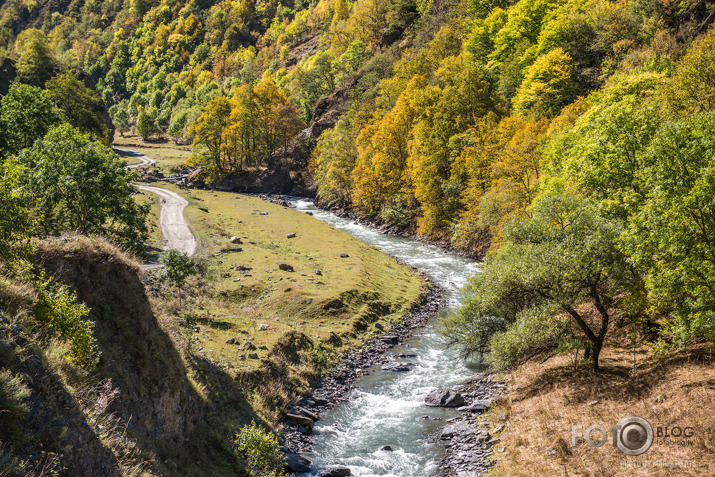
(444, 397)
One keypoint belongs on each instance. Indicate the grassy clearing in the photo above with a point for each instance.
(169, 156)
(244, 289)
(327, 304)
(545, 400)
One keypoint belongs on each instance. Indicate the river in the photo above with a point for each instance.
(387, 408)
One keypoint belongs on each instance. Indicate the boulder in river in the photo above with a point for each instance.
(444, 397)
(334, 471)
(387, 448)
(397, 367)
(296, 463)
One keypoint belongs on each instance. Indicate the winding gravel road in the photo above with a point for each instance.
(172, 221)
(171, 218)
(145, 161)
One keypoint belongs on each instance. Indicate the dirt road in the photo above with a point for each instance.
(145, 161)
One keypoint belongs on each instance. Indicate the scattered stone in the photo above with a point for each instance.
(593, 403)
(378, 326)
(235, 239)
(480, 406)
(290, 235)
(501, 416)
(262, 327)
(550, 451)
(498, 429)
(318, 272)
(457, 429)
(344, 255)
(263, 347)
(248, 346)
(197, 329)
(501, 449)
(252, 356)
(296, 463)
(241, 268)
(443, 397)
(231, 341)
(264, 213)
(288, 289)
(285, 267)
(309, 213)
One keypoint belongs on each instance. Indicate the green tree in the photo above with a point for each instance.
(177, 267)
(35, 63)
(262, 451)
(26, 114)
(15, 224)
(80, 185)
(548, 85)
(146, 123)
(551, 265)
(82, 106)
(672, 235)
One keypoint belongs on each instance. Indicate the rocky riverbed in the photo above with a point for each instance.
(468, 444)
(334, 387)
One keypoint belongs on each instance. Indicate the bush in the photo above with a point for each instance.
(261, 450)
(58, 308)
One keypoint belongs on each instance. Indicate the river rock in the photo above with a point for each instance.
(296, 463)
(457, 429)
(302, 420)
(334, 471)
(390, 339)
(479, 406)
(443, 397)
(285, 267)
(387, 448)
(397, 367)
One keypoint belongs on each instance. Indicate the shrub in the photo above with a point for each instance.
(57, 306)
(261, 450)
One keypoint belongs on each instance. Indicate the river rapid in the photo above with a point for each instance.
(387, 408)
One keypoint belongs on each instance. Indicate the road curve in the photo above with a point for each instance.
(145, 161)
(172, 221)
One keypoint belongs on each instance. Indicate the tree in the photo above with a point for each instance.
(82, 106)
(178, 124)
(15, 224)
(146, 123)
(177, 267)
(76, 184)
(561, 264)
(548, 85)
(210, 137)
(672, 235)
(35, 63)
(26, 114)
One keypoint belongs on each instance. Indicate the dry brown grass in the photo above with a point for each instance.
(546, 399)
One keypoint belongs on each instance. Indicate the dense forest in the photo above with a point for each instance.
(568, 143)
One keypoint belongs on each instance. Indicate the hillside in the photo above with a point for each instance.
(168, 393)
